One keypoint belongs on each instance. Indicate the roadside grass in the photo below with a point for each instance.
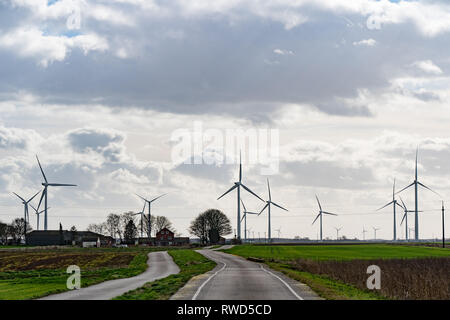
(190, 263)
(324, 286)
(336, 252)
(33, 274)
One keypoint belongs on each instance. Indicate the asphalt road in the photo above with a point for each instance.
(160, 265)
(235, 278)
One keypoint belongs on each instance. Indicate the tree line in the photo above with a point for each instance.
(13, 231)
(127, 226)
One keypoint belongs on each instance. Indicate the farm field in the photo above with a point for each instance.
(339, 272)
(337, 252)
(29, 274)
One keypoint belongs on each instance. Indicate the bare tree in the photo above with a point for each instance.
(123, 221)
(161, 223)
(97, 228)
(113, 224)
(17, 227)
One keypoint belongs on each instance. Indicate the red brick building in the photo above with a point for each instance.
(165, 237)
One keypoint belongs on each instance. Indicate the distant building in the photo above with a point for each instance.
(65, 237)
(165, 238)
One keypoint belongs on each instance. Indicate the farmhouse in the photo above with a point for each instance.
(165, 237)
(65, 237)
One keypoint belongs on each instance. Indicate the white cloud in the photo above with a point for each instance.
(365, 42)
(32, 42)
(283, 52)
(428, 66)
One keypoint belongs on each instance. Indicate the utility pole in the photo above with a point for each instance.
(443, 225)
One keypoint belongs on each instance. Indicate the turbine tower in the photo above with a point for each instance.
(238, 185)
(394, 204)
(443, 225)
(364, 231)
(416, 183)
(405, 218)
(337, 232)
(44, 195)
(268, 204)
(321, 212)
(149, 202)
(244, 217)
(38, 213)
(26, 217)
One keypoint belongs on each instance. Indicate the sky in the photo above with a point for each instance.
(105, 91)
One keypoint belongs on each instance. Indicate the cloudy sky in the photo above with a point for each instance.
(98, 88)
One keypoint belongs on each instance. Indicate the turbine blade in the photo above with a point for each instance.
(243, 205)
(428, 188)
(399, 205)
(141, 197)
(404, 205)
(243, 186)
(158, 197)
(42, 197)
(405, 188)
(240, 166)
(19, 197)
(248, 212)
(318, 202)
(33, 207)
(145, 203)
(61, 185)
(229, 190)
(34, 196)
(393, 190)
(42, 171)
(385, 205)
(277, 205)
(333, 214)
(263, 208)
(243, 216)
(316, 218)
(268, 187)
(404, 216)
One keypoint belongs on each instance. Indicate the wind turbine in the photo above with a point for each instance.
(279, 232)
(268, 203)
(26, 216)
(375, 231)
(38, 213)
(405, 218)
(394, 204)
(321, 212)
(46, 184)
(149, 202)
(364, 233)
(244, 217)
(142, 218)
(416, 183)
(238, 185)
(337, 232)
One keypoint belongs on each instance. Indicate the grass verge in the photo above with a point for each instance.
(190, 263)
(325, 287)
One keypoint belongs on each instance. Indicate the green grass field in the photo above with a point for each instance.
(37, 273)
(337, 252)
(191, 264)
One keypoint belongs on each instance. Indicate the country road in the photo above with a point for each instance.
(235, 278)
(160, 265)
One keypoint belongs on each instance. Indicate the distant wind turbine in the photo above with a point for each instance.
(149, 202)
(394, 204)
(416, 183)
(405, 218)
(244, 217)
(321, 212)
(38, 213)
(375, 231)
(364, 231)
(443, 225)
(238, 185)
(268, 204)
(26, 216)
(337, 232)
(44, 195)
(279, 232)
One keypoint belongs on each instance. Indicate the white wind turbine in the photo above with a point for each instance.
(416, 185)
(38, 213)
(337, 232)
(364, 231)
(149, 202)
(268, 204)
(375, 231)
(142, 213)
(405, 218)
(321, 212)
(279, 232)
(238, 185)
(46, 184)
(394, 203)
(26, 216)
(244, 217)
